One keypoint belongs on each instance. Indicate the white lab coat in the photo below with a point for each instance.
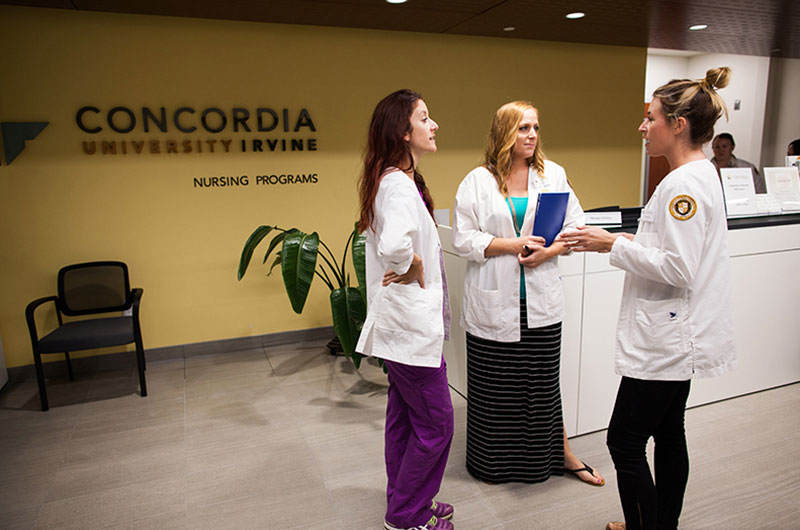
(491, 286)
(676, 318)
(404, 323)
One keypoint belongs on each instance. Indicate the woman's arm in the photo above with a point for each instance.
(395, 208)
(591, 239)
(469, 238)
(518, 246)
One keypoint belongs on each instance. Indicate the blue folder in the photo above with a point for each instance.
(551, 209)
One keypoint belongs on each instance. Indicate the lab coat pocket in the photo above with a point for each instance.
(409, 308)
(408, 325)
(554, 296)
(659, 325)
(482, 307)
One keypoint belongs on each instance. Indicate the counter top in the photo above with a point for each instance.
(630, 221)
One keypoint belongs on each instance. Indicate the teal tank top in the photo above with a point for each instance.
(520, 205)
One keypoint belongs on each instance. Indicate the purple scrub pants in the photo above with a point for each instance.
(419, 429)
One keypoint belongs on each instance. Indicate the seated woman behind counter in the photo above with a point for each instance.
(723, 146)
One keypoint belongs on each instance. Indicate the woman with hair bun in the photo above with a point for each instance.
(675, 319)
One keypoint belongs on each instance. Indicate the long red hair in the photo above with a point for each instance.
(386, 147)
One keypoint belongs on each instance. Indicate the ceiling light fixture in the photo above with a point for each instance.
(396, 1)
(697, 27)
(509, 28)
(576, 15)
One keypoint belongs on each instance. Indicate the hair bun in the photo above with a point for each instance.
(718, 77)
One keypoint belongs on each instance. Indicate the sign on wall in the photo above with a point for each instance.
(125, 131)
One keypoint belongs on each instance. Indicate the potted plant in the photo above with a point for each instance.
(298, 258)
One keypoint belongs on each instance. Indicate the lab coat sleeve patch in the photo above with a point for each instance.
(683, 207)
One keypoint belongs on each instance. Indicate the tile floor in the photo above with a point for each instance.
(291, 438)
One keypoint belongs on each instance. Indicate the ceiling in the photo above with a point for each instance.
(743, 27)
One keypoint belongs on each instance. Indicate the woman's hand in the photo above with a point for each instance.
(414, 273)
(512, 245)
(538, 254)
(591, 239)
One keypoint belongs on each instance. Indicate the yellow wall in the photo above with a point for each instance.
(59, 205)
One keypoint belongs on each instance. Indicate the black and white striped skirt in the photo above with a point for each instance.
(514, 419)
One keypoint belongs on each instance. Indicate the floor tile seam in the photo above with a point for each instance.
(185, 478)
(116, 459)
(229, 500)
(253, 443)
(132, 519)
(488, 506)
(538, 513)
(112, 490)
(62, 461)
(323, 440)
(308, 448)
(109, 429)
(266, 354)
(227, 372)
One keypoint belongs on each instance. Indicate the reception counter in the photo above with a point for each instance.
(765, 269)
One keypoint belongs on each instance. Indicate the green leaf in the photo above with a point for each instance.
(250, 245)
(277, 240)
(275, 263)
(359, 250)
(349, 312)
(298, 261)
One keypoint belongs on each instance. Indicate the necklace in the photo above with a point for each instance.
(514, 216)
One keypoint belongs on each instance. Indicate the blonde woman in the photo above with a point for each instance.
(512, 308)
(675, 320)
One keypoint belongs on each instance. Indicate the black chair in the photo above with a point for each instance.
(87, 289)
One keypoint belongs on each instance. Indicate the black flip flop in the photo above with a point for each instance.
(589, 470)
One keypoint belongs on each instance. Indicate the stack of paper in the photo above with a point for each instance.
(783, 183)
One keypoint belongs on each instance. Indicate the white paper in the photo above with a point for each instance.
(767, 204)
(603, 218)
(784, 184)
(740, 193)
(792, 160)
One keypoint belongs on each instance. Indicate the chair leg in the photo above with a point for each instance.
(140, 363)
(37, 358)
(69, 366)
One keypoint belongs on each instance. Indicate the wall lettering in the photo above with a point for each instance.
(142, 121)
(260, 180)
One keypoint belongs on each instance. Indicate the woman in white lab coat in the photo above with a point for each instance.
(408, 314)
(675, 320)
(513, 307)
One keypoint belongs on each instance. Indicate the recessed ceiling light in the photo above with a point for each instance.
(698, 27)
(575, 15)
(509, 28)
(397, 1)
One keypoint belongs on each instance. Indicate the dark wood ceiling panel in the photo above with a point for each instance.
(353, 14)
(745, 32)
(609, 22)
(57, 4)
(747, 27)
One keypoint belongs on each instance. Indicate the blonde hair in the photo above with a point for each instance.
(502, 137)
(697, 101)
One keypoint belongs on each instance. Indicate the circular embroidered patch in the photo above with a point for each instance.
(682, 207)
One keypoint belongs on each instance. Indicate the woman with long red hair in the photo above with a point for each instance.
(408, 311)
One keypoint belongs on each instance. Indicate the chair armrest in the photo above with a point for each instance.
(30, 318)
(137, 297)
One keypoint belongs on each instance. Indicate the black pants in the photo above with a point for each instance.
(644, 409)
